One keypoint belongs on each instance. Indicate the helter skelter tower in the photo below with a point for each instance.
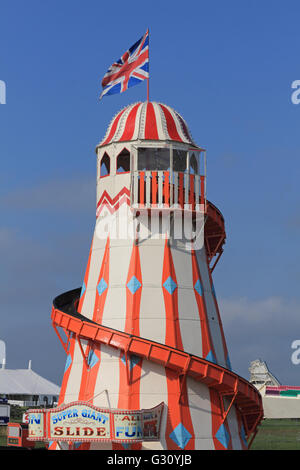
(145, 327)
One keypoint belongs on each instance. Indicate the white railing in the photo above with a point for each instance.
(164, 189)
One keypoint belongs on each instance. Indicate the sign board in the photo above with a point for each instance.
(80, 421)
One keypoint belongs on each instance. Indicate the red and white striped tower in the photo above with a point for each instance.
(148, 328)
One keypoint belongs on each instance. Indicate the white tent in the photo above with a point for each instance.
(26, 387)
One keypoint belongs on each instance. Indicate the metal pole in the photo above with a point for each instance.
(148, 79)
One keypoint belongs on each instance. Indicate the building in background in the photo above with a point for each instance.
(279, 401)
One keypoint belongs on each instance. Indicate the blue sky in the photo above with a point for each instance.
(227, 67)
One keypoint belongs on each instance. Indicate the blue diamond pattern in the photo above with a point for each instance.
(133, 285)
(102, 286)
(83, 289)
(92, 359)
(210, 357)
(68, 362)
(223, 436)
(133, 360)
(170, 285)
(198, 287)
(180, 436)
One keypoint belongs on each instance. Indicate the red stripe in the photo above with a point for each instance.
(88, 379)
(110, 200)
(104, 273)
(89, 376)
(112, 205)
(166, 187)
(151, 132)
(171, 126)
(86, 278)
(207, 344)
(142, 188)
(192, 193)
(84, 373)
(178, 405)
(173, 335)
(130, 124)
(129, 388)
(217, 419)
(114, 127)
(67, 372)
(154, 188)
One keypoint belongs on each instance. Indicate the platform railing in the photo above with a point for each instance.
(164, 189)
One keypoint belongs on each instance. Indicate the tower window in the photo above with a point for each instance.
(123, 161)
(105, 165)
(154, 159)
(179, 160)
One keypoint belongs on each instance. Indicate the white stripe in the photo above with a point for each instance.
(122, 123)
(74, 380)
(233, 426)
(160, 122)
(152, 306)
(139, 131)
(106, 393)
(136, 124)
(177, 124)
(190, 325)
(200, 411)
(114, 314)
(153, 391)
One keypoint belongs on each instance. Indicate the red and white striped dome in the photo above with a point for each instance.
(147, 121)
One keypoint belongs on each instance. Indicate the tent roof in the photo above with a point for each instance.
(25, 382)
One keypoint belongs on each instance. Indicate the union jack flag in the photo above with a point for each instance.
(130, 70)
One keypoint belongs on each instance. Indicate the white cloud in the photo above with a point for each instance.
(260, 312)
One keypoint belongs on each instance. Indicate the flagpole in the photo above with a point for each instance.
(148, 79)
(148, 89)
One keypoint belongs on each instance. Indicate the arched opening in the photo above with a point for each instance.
(193, 165)
(105, 165)
(123, 161)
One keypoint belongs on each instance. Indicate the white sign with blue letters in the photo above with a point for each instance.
(80, 421)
